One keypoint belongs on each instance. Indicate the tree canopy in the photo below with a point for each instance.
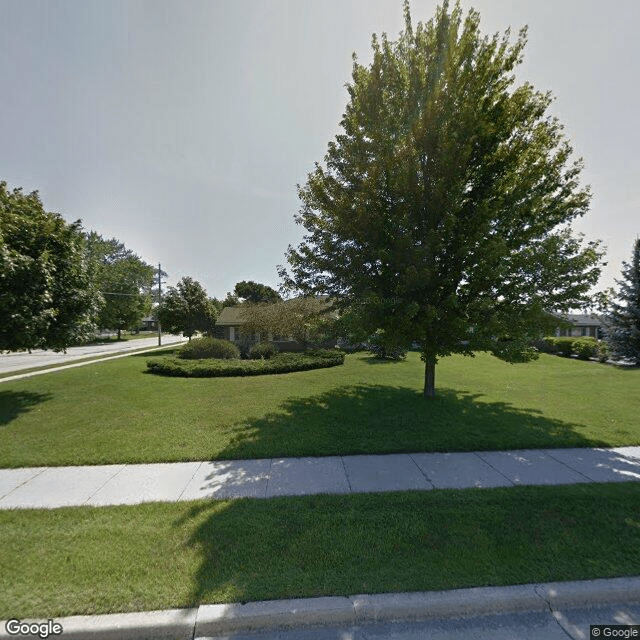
(622, 322)
(442, 211)
(48, 297)
(186, 309)
(255, 292)
(124, 280)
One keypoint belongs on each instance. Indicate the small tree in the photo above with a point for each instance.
(442, 212)
(622, 322)
(305, 319)
(48, 297)
(186, 309)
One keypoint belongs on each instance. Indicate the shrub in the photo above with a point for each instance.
(603, 351)
(264, 350)
(382, 345)
(547, 344)
(280, 363)
(564, 346)
(585, 348)
(203, 348)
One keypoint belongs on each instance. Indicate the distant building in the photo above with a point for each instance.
(149, 323)
(580, 326)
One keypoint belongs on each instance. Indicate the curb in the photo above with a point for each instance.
(211, 620)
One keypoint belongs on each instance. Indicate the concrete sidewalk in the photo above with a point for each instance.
(51, 487)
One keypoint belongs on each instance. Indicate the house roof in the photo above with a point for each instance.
(230, 316)
(583, 320)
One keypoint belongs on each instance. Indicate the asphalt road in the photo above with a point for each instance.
(15, 362)
(541, 625)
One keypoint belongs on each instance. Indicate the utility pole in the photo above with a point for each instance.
(159, 303)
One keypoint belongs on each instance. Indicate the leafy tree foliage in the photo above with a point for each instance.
(48, 297)
(441, 213)
(186, 309)
(304, 319)
(251, 291)
(623, 320)
(124, 280)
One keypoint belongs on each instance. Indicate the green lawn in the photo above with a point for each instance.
(157, 556)
(112, 411)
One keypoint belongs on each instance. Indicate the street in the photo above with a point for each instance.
(545, 625)
(10, 362)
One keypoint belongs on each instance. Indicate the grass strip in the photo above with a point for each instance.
(156, 556)
(113, 412)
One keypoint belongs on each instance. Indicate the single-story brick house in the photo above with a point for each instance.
(229, 326)
(581, 326)
(229, 323)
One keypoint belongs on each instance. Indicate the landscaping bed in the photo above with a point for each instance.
(214, 367)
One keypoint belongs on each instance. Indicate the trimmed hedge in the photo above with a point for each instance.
(201, 348)
(212, 368)
(583, 348)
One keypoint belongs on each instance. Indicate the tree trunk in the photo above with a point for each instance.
(430, 378)
(119, 334)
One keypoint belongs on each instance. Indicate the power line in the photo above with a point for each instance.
(113, 293)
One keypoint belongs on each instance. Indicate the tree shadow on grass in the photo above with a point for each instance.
(384, 419)
(15, 403)
(249, 550)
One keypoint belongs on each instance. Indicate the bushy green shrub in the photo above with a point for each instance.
(264, 350)
(279, 363)
(564, 346)
(585, 348)
(546, 345)
(382, 345)
(202, 348)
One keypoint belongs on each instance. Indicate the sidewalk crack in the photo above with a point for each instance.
(556, 615)
(346, 475)
(584, 475)
(189, 481)
(424, 475)
(4, 495)
(507, 478)
(107, 481)
(266, 487)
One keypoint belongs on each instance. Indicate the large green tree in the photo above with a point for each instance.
(125, 282)
(441, 212)
(186, 309)
(48, 298)
(255, 292)
(622, 322)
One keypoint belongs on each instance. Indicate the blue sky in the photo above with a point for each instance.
(182, 128)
